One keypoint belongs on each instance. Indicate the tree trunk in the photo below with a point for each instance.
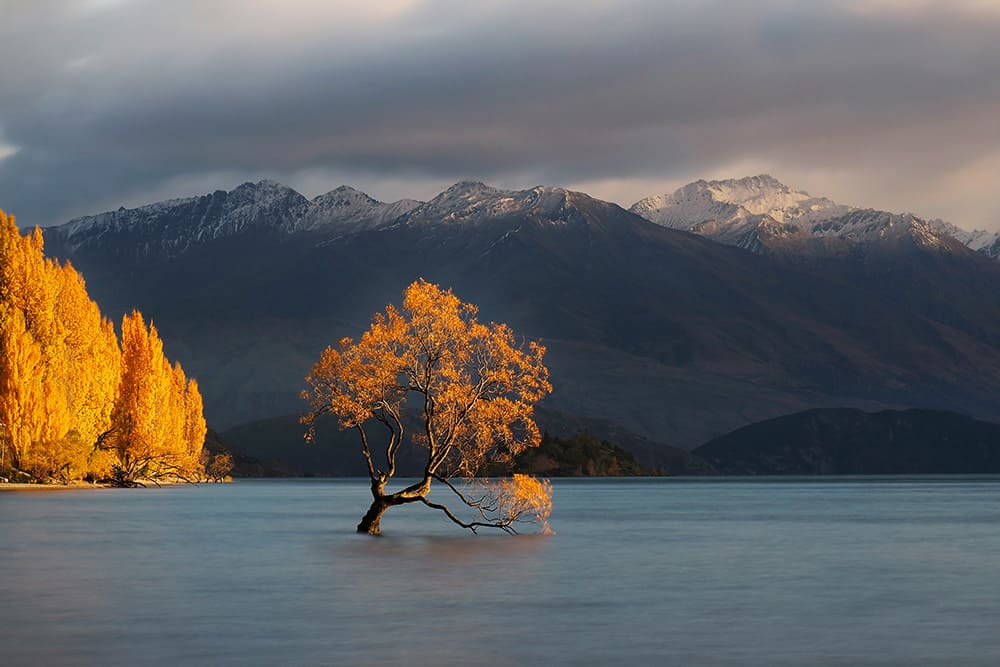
(371, 521)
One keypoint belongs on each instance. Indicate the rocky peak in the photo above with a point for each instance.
(473, 202)
(756, 211)
(349, 209)
(265, 192)
(345, 198)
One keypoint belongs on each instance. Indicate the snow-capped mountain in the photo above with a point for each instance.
(174, 225)
(865, 226)
(987, 243)
(757, 213)
(168, 228)
(740, 199)
(472, 203)
(661, 330)
(352, 209)
(171, 227)
(760, 213)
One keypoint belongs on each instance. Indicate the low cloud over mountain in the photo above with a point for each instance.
(121, 102)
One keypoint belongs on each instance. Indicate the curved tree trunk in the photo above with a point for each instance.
(381, 501)
(371, 522)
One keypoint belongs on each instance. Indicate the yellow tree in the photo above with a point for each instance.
(93, 358)
(20, 354)
(473, 388)
(185, 434)
(194, 426)
(174, 415)
(131, 419)
(58, 451)
(21, 389)
(34, 350)
(92, 367)
(153, 418)
(66, 389)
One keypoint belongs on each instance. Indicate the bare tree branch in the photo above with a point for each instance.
(471, 525)
(367, 452)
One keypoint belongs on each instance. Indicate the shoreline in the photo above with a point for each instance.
(77, 485)
(72, 486)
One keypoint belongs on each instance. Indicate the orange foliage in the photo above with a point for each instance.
(63, 389)
(471, 383)
(525, 496)
(158, 428)
(34, 372)
(21, 388)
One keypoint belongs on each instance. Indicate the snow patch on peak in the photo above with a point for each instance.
(398, 209)
(469, 185)
(265, 189)
(461, 201)
(754, 211)
(464, 191)
(734, 200)
(474, 202)
(868, 226)
(546, 198)
(350, 209)
(765, 195)
(122, 218)
(979, 240)
(170, 227)
(344, 197)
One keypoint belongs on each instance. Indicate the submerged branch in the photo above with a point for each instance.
(481, 505)
(471, 525)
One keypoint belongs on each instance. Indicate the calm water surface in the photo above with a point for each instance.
(685, 572)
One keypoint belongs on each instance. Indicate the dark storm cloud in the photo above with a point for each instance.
(110, 101)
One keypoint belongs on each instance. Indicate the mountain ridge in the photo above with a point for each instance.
(269, 207)
(761, 214)
(756, 213)
(671, 334)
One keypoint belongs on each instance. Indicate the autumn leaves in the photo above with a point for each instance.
(472, 385)
(157, 427)
(73, 403)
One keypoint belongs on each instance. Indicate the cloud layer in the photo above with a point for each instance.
(887, 104)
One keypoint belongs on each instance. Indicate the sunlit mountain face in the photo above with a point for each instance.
(733, 302)
(763, 215)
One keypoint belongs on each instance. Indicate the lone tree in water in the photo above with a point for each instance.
(473, 387)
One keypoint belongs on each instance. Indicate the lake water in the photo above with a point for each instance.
(667, 571)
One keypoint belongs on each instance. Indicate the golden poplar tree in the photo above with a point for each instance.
(134, 416)
(157, 425)
(71, 400)
(92, 358)
(195, 427)
(34, 345)
(21, 389)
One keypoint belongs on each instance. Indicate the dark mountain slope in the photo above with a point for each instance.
(675, 336)
(852, 442)
(572, 446)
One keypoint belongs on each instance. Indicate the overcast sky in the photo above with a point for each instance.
(893, 104)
